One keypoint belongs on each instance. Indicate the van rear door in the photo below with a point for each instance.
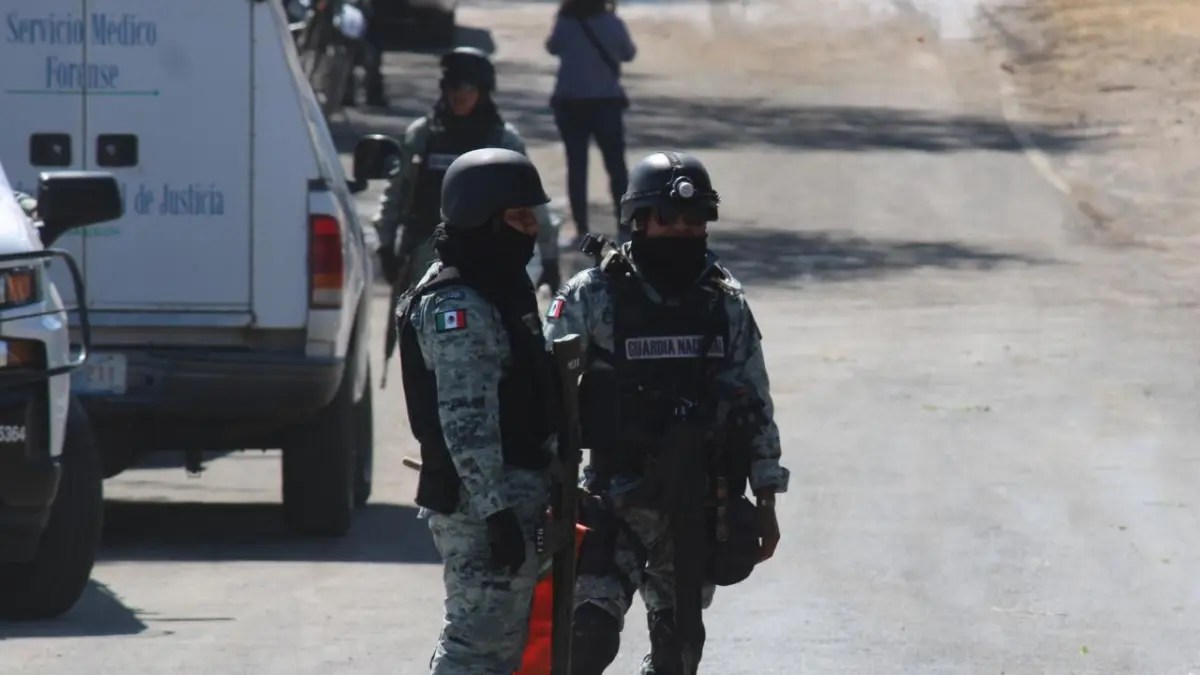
(169, 113)
(42, 76)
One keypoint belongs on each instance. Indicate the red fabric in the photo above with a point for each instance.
(536, 660)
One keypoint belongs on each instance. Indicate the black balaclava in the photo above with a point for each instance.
(494, 255)
(671, 264)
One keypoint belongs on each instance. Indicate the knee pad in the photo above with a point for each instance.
(597, 638)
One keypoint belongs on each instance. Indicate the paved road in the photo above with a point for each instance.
(989, 416)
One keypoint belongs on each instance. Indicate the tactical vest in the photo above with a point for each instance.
(528, 404)
(628, 397)
(441, 149)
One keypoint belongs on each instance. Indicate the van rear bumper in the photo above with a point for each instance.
(218, 385)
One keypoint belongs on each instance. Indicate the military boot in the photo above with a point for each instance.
(664, 656)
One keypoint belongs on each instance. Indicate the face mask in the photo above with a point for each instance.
(673, 263)
(513, 249)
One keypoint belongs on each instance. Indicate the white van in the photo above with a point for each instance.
(229, 305)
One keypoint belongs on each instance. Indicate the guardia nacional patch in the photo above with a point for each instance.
(671, 347)
(455, 319)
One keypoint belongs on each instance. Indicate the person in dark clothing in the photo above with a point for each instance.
(591, 42)
(368, 53)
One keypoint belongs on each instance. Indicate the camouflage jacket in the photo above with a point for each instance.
(586, 309)
(393, 205)
(464, 343)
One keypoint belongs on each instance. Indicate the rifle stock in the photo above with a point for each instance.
(568, 360)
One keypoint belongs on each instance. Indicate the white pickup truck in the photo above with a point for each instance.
(51, 497)
(229, 305)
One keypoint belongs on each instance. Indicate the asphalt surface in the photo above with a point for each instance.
(988, 411)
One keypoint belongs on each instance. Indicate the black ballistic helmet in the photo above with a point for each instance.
(471, 65)
(669, 180)
(733, 560)
(481, 183)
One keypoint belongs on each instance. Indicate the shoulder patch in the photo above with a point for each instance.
(448, 295)
(556, 309)
(454, 319)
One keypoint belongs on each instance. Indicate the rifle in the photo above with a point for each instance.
(593, 247)
(564, 501)
(403, 270)
(685, 491)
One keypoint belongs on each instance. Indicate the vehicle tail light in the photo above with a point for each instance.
(325, 262)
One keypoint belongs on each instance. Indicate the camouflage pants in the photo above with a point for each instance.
(636, 555)
(486, 620)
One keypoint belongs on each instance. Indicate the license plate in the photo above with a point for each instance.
(102, 374)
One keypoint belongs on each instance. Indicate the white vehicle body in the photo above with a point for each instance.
(228, 303)
(43, 321)
(51, 493)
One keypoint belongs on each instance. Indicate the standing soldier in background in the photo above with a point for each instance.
(369, 55)
(480, 390)
(675, 437)
(464, 118)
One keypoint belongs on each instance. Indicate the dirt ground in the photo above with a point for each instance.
(1128, 73)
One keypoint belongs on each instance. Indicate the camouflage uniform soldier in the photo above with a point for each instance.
(647, 313)
(480, 386)
(464, 118)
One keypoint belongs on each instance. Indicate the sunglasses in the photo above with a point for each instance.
(450, 85)
(692, 215)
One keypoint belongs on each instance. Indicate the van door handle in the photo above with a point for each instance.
(50, 149)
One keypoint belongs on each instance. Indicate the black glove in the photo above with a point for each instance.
(550, 275)
(389, 263)
(506, 540)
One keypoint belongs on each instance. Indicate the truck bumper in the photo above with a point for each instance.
(216, 384)
(206, 399)
(28, 474)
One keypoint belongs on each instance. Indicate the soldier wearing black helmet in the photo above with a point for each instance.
(464, 118)
(479, 386)
(678, 418)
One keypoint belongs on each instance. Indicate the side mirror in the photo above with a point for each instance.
(376, 156)
(70, 199)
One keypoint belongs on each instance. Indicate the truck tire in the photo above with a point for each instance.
(52, 582)
(364, 432)
(319, 463)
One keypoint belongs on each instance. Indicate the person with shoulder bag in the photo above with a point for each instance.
(591, 42)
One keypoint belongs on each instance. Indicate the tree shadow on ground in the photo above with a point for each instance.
(661, 120)
(784, 258)
(99, 612)
(209, 531)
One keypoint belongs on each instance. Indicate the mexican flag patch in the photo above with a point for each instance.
(455, 319)
(556, 308)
